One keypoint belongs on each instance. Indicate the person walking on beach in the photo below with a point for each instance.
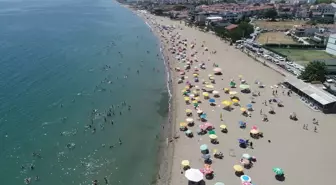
(315, 129)
(221, 116)
(251, 145)
(260, 111)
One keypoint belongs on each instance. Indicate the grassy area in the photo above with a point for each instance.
(302, 56)
(275, 37)
(281, 25)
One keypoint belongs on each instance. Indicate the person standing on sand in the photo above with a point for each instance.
(221, 116)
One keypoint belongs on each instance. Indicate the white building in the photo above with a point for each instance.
(331, 46)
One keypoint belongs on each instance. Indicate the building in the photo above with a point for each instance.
(304, 31)
(331, 45)
(285, 10)
(302, 12)
(313, 96)
(323, 12)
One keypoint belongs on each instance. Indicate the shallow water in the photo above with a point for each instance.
(60, 61)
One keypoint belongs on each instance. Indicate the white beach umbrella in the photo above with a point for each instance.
(194, 175)
(189, 120)
(215, 92)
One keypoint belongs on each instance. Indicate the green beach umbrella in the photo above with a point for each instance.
(204, 147)
(232, 84)
(212, 132)
(195, 104)
(244, 86)
(278, 171)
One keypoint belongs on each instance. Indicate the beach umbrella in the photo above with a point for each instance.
(245, 178)
(222, 126)
(207, 170)
(249, 106)
(206, 156)
(190, 120)
(235, 100)
(205, 94)
(244, 86)
(203, 116)
(202, 127)
(199, 111)
(242, 123)
(194, 175)
(212, 100)
(195, 74)
(188, 111)
(185, 163)
(207, 125)
(215, 92)
(209, 86)
(217, 70)
(212, 132)
(219, 183)
(240, 76)
(213, 136)
(278, 171)
(254, 131)
(246, 183)
(183, 124)
(226, 103)
(203, 147)
(211, 78)
(246, 156)
(243, 109)
(232, 84)
(238, 168)
(241, 141)
(195, 104)
(233, 92)
(188, 132)
(186, 98)
(226, 89)
(191, 95)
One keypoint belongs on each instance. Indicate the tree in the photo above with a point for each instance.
(272, 14)
(314, 71)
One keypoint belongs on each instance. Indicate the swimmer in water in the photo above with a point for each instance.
(120, 142)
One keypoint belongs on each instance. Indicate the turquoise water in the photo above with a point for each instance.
(59, 64)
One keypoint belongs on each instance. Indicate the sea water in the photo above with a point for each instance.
(75, 77)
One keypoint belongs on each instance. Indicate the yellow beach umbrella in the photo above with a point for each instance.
(209, 86)
(186, 98)
(187, 87)
(188, 111)
(233, 92)
(183, 124)
(226, 103)
(185, 163)
(205, 94)
(254, 131)
(240, 76)
(238, 168)
(214, 151)
(243, 109)
(195, 101)
(235, 101)
(195, 74)
(212, 136)
(222, 126)
(184, 90)
(211, 78)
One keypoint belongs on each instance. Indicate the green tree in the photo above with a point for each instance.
(314, 71)
(272, 14)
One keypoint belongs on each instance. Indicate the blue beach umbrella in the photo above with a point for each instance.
(241, 141)
(249, 106)
(212, 100)
(245, 178)
(206, 156)
(204, 147)
(203, 116)
(242, 123)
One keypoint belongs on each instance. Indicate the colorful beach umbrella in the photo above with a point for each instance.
(212, 100)
(183, 124)
(213, 136)
(185, 163)
(245, 178)
(254, 131)
(227, 103)
(244, 86)
(246, 156)
(278, 171)
(203, 147)
(222, 126)
(194, 175)
(188, 132)
(233, 92)
(238, 168)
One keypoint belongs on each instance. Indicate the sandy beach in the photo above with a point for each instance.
(304, 155)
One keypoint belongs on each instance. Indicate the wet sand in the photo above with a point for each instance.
(305, 156)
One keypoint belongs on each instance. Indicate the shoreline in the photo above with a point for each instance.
(166, 149)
